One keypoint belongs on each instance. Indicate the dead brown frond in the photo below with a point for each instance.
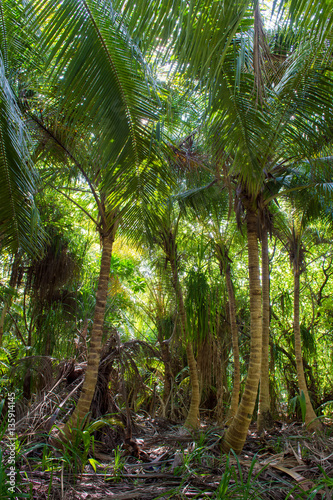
(212, 361)
(186, 157)
(46, 276)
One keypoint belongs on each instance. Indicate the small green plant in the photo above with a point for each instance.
(225, 481)
(191, 460)
(11, 485)
(278, 445)
(196, 457)
(116, 469)
(233, 484)
(324, 487)
(119, 461)
(72, 455)
(300, 399)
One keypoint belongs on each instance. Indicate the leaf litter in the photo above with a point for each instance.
(172, 463)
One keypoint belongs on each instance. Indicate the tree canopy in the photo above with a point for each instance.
(165, 235)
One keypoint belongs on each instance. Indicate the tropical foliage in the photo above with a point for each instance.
(165, 217)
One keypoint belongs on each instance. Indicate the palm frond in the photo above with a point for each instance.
(97, 78)
(19, 219)
(313, 18)
(195, 34)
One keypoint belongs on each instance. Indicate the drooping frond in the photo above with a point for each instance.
(18, 214)
(97, 78)
(237, 130)
(312, 18)
(196, 33)
(293, 121)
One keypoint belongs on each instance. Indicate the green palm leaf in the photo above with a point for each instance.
(18, 214)
(196, 33)
(313, 18)
(97, 78)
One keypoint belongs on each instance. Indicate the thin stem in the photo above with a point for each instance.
(77, 204)
(77, 164)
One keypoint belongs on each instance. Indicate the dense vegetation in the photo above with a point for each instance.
(166, 219)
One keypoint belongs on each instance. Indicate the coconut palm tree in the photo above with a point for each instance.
(20, 229)
(162, 230)
(293, 230)
(256, 139)
(264, 408)
(259, 137)
(293, 227)
(118, 205)
(97, 123)
(211, 209)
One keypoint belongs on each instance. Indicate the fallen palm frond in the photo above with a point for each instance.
(60, 392)
(179, 464)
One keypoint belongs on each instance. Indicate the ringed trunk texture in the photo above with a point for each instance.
(168, 376)
(192, 420)
(222, 393)
(235, 435)
(235, 346)
(265, 420)
(83, 407)
(310, 417)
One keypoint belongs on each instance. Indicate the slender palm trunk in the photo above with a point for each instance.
(166, 358)
(264, 412)
(235, 435)
(8, 301)
(235, 346)
(167, 373)
(83, 407)
(222, 394)
(192, 420)
(310, 417)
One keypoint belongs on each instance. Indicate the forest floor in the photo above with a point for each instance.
(170, 463)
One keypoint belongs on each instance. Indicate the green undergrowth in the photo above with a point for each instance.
(195, 468)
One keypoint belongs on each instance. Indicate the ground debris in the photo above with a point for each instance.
(179, 465)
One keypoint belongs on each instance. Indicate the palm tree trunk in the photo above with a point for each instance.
(235, 347)
(192, 419)
(166, 358)
(310, 417)
(236, 434)
(264, 412)
(222, 393)
(83, 407)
